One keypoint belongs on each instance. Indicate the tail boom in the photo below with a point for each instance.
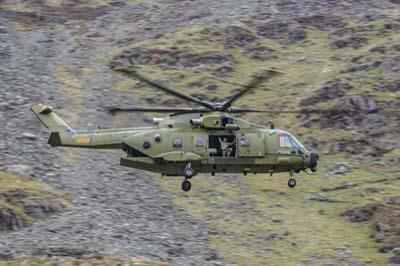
(61, 134)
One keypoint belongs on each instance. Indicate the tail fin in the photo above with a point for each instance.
(50, 119)
(59, 128)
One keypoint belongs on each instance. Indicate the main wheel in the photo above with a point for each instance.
(186, 186)
(292, 182)
(189, 172)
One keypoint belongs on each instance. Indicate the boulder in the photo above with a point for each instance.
(10, 220)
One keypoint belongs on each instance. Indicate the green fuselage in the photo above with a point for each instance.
(211, 142)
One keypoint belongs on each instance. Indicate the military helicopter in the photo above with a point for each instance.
(206, 139)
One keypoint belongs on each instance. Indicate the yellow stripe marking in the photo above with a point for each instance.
(82, 140)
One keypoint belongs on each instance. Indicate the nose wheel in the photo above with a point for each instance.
(186, 185)
(292, 182)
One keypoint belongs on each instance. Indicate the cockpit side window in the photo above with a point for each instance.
(284, 141)
(296, 143)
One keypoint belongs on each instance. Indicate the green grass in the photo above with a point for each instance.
(33, 189)
(242, 212)
(88, 260)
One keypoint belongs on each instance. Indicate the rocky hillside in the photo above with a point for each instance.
(335, 55)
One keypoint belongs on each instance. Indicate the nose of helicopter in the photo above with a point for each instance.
(313, 161)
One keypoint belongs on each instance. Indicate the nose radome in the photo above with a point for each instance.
(313, 161)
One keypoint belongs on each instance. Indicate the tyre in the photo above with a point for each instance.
(186, 186)
(292, 183)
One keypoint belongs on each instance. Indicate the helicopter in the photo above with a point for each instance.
(188, 141)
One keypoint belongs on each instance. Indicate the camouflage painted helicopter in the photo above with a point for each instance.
(207, 139)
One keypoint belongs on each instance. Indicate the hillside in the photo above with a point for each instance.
(335, 55)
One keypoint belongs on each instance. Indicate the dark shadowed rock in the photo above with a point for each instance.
(323, 21)
(285, 32)
(260, 53)
(42, 208)
(238, 36)
(10, 220)
(391, 65)
(331, 90)
(172, 57)
(354, 42)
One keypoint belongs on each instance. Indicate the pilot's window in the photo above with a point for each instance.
(200, 142)
(284, 141)
(245, 142)
(177, 142)
(296, 143)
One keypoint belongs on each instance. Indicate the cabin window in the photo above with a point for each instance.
(177, 142)
(244, 142)
(284, 141)
(200, 143)
(227, 120)
(157, 137)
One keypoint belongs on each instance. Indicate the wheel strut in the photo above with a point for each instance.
(188, 172)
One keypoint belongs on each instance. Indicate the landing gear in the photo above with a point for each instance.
(186, 185)
(188, 172)
(292, 182)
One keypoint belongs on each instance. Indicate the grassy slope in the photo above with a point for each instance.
(257, 219)
(87, 260)
(32, 190)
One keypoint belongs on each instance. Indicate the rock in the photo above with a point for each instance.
(223, 70)
(19, 169)
(117, 4)
(354, 42)
(332, 89)
(391, 66)
(320, 197)
(14, 196)
(10, 220)
(363, 213)
(381, 227)
(391, 85)
(341, 168)
(380, 49)
(276, 219)
(323, 21)
(238, 36)
(181, 58)
(28, 135)
(380, 237)
(285, 32)
(396, 251)
(394, 260)
(41, 209)
(260, 53)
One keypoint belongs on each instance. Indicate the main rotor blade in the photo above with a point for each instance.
(294, 111)
(134, 74)
(266, 75)
(114, 110)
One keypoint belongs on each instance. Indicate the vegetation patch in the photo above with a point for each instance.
(382, 216)
(84, 260)
(24, 201)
